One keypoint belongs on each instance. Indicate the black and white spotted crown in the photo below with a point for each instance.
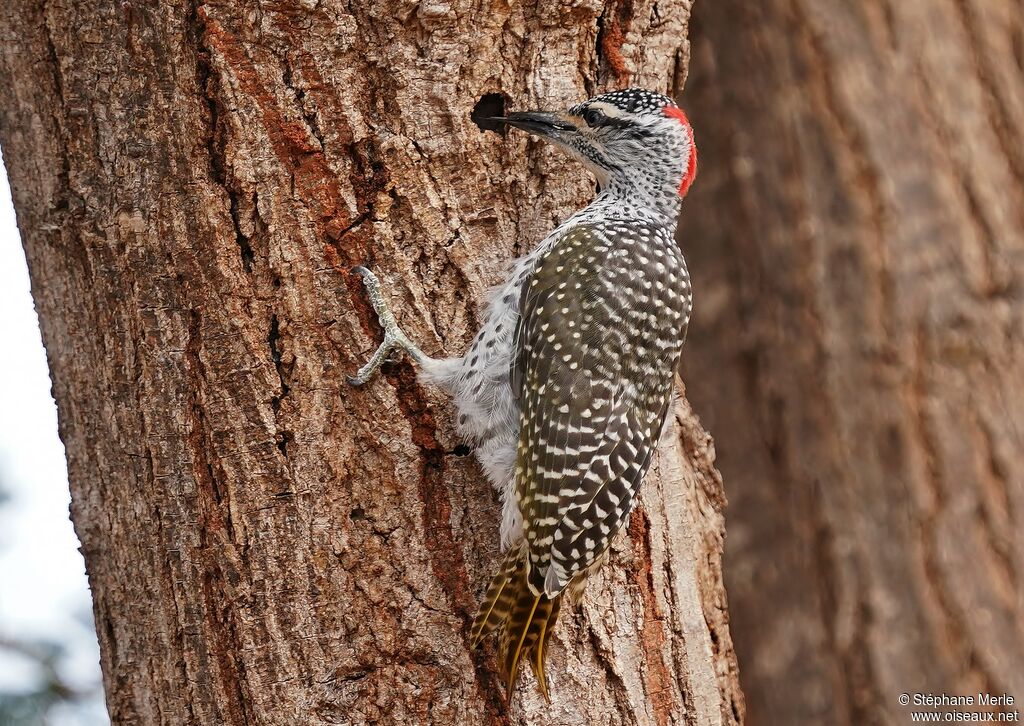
(630, 100)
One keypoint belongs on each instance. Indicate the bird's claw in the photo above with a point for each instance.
(394, 338)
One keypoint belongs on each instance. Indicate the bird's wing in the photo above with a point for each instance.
(591, 400)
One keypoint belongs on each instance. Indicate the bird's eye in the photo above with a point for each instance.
(593, 117)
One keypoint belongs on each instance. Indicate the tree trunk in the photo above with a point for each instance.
(857, 246)
(266, 544)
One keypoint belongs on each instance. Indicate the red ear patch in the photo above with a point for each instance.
(691, 163)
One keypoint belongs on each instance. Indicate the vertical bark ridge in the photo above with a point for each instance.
(858, 234)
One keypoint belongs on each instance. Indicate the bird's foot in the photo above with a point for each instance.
(394, 338)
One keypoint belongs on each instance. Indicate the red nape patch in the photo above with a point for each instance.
(691, 163)
(676, 113)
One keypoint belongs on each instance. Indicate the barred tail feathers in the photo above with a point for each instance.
(524, 620)
(500, 597)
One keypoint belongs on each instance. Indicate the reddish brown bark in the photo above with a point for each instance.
(264, 543)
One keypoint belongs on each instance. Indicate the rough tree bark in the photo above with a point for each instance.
(266, 545)
(858, 248)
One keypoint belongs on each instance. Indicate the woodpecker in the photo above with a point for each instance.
(566, 387)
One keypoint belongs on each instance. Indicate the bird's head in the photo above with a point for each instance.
(635, 141)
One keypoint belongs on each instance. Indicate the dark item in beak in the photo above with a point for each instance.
(541, 123)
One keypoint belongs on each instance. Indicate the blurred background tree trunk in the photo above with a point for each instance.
(264, 544)
(857, 249)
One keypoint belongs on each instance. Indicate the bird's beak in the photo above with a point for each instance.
(540, 123)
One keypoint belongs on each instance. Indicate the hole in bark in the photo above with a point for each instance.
(491, 104)
(461, 450)
(282, 443)
(357, 513)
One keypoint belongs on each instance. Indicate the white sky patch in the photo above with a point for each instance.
(44, 592)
